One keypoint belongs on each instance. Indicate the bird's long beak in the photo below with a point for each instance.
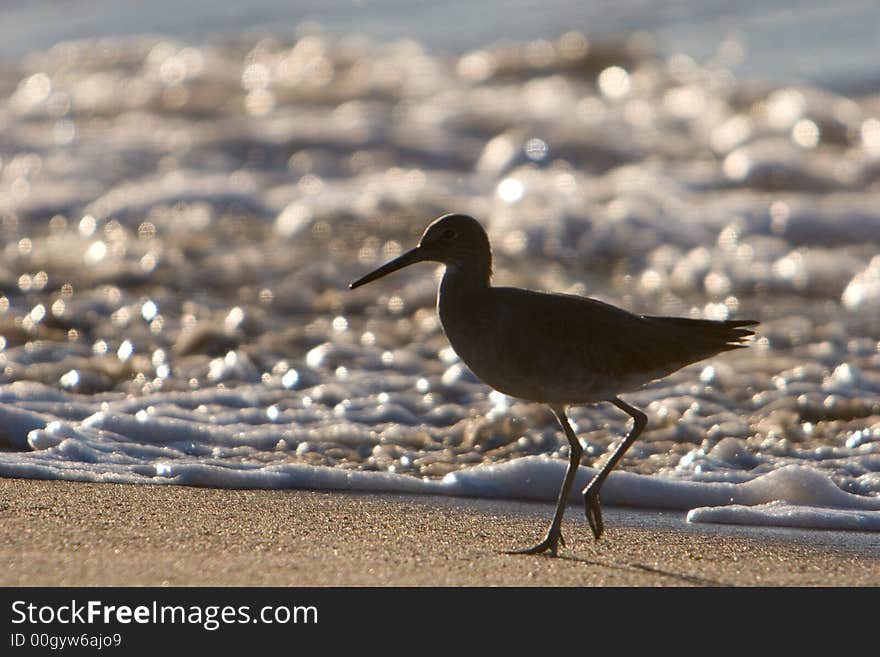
(408, 258)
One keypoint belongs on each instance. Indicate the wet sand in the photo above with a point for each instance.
(61, 533)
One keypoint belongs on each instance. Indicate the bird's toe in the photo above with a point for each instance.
(593, 512)
(550, 545)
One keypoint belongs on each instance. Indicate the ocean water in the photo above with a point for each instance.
(181, 215)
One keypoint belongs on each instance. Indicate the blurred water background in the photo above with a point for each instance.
(187, 188)
(831, 44)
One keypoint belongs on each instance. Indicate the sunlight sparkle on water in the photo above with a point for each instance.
(614, 82)
(510, 190)
(149, 311)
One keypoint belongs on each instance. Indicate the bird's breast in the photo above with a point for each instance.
(493, 340)
(474, 331)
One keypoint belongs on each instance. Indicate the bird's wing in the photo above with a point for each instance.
(569, 337)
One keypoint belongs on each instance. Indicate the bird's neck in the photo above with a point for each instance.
(464, 280)
(459, 299)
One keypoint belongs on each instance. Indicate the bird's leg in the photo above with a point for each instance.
(554, 539)
(592, 508)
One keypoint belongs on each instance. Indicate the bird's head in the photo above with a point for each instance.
(456, 240)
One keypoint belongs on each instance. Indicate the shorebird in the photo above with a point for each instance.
(557, 349)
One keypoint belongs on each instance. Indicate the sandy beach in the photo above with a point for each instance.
(56, 533)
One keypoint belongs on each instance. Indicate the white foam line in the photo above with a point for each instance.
(792, 496)
(782, 514)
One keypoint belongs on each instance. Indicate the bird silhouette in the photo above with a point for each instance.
(557, 349)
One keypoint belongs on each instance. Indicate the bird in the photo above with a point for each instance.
(560, 350)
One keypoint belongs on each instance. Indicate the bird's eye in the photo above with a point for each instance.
(448, 234)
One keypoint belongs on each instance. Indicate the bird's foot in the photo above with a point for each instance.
(550, 544)
(593, 511)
